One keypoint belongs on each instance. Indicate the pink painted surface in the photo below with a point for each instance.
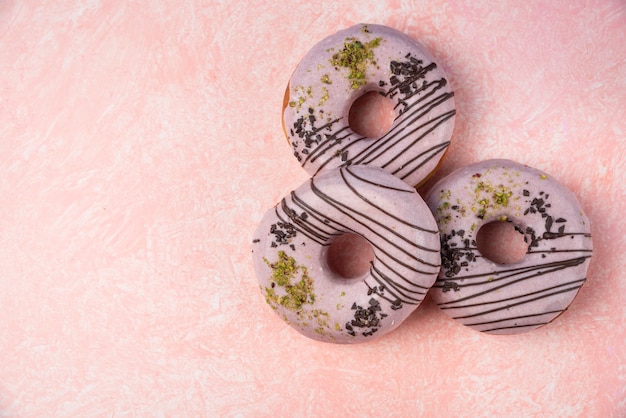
(140, 145)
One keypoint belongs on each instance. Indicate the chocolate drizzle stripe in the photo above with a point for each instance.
(394, 291)
(432, 151)
(385, 186)
(317, 215)
(411, 114)
(397, 134)
(438, 149)
(478, 255)
(435, 122)
(329, 137)
(520, 270)
(353, 142)
(300, 230)
(322, 218)
(577, 250)
(512, 318)
(555, 235)
(438, 85)
(435, 84)
(329, 143)
(512, 305)
(379, 260)
(421, 290)
(397, 297)
(541, 294)
(534, 325)
(397, 261)
(318, 236)
(413, 226)
(350, 213)
(539, 272)
(455, 303)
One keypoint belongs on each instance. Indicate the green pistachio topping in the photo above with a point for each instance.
(487, 199)
(292, 288)
(324, 96)
(298, 290)
(356, 56)
(303, 93)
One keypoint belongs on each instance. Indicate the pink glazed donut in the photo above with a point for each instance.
(345, 66)
(290, 254)
(508, 298)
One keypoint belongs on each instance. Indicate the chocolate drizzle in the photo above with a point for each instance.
(328, 215)
(501, 298)
(401, 151)
(314, 137)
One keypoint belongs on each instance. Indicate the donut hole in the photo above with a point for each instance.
(350, 255)
(501, 243)
(371, 115)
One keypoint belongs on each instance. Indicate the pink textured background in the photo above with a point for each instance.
(140, 144)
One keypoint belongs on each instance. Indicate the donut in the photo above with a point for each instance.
(347, 65)
(521, 296)
(290, 249)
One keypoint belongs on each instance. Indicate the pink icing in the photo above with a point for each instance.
(293, 239)
(517, 297)
(323, 88)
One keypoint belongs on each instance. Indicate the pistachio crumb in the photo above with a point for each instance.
(284, 275)
(356, 56)
(293, 289)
